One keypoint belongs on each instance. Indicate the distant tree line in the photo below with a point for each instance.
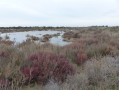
(21, 28)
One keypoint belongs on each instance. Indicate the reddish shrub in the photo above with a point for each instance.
(75, 47)
(115, 44)
(106, 50)
(87, 41)
(4, 83)
(81, 58)
(3, 54)
(46, 65)
(75, 52)
(104, 37)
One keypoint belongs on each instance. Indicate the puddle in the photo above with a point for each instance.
(19, 37)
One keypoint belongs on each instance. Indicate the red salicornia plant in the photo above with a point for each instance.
(43, 66)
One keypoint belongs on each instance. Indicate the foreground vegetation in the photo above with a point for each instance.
(90, 62)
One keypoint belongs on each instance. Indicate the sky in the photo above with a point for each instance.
(59, 12)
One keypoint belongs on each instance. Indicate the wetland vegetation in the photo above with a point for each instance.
(89, 59)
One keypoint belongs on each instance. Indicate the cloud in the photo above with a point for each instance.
(59, 12)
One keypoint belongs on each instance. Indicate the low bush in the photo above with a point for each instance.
(114, 44)
(75, 53)
(7, 42)
(4, 83)
(81, 57)
(99, 50)
(43, 66)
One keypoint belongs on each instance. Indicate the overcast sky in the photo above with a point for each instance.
(59, 12)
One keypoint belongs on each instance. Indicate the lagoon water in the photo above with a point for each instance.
(19, 37)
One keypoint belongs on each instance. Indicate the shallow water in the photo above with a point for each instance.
(19, 37)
